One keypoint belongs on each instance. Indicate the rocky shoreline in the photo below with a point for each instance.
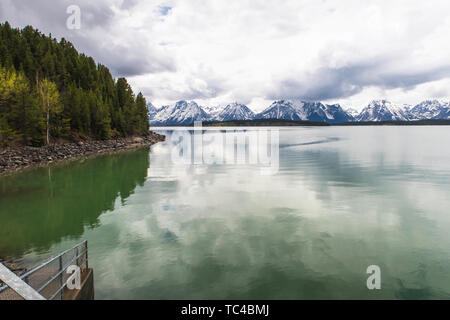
(13, 159)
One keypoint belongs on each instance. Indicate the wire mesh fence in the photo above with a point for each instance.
(50, 278)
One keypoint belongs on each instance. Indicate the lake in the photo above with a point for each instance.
(306, 223)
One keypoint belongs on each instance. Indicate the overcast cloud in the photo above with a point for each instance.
(218, 51)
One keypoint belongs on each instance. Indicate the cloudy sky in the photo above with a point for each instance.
(256, 51)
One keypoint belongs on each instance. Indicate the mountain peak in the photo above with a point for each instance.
(181, 113)
(431, 109)
(236, 111)
(383, 110)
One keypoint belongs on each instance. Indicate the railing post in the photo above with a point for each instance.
(61, 277)
(76, 255)
(87, 260)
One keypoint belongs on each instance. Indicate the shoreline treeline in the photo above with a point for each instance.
(48, 91)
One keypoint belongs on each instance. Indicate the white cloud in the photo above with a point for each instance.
(255, 51)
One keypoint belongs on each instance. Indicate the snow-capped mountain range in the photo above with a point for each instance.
(306, 111)
(185, 113)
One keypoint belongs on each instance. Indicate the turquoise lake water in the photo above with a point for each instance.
(339, 200)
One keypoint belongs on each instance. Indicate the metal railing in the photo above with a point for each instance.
(50, 278)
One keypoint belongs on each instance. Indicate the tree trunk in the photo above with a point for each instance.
(48, 121)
